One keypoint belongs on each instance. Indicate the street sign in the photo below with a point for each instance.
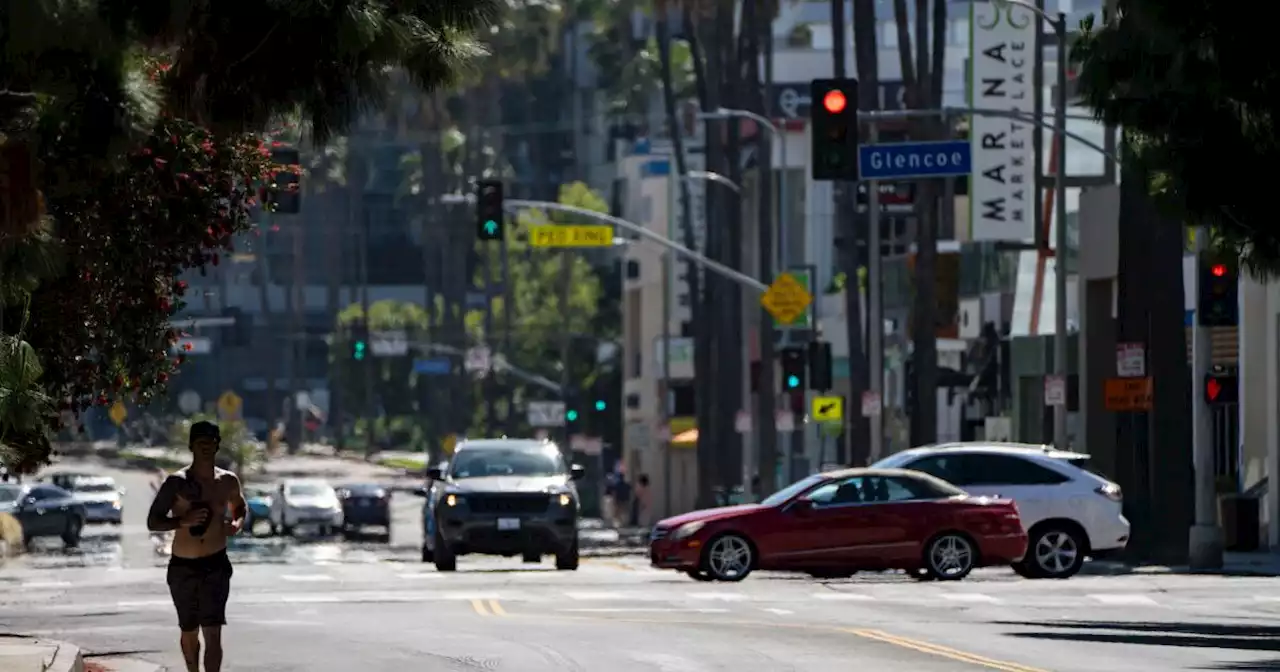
(903, 160)
(195, 345)
(1131, 360)
(871, 406)
(229, 405)
(434, 366)
(189, 401)
(827, 409)
(1127, 394)
(742, 422)
(788, 299)
(784, 421)
(118, 413)
(389, 343)
(555, 235)
(449, 443)
(477, 359)
(545, 413)
(587, 445)
(302, 400)
(1055, 391)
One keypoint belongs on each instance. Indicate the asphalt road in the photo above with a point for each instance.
(499, 614)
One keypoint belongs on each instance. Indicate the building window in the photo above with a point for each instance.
(633, 269)
(683, 300)
(633, 400)
(686, 329)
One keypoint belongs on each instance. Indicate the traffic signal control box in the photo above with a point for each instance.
(794, 365)
(282, 193)
(1218, 289)
(833, 127)
(489, 214)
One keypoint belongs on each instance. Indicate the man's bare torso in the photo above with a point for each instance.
(215, 492)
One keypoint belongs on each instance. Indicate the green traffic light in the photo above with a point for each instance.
(571, 416)
(359, 350)
(793, 381)
(490, 228)
(600, 405)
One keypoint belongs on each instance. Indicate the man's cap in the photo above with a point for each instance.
(205, 430)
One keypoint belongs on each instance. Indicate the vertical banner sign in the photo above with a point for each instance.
(1002, 67)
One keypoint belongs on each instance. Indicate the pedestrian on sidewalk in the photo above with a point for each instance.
(203, 505)
(621, 500)
(640, 503)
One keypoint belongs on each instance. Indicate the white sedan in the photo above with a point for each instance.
(301, 502)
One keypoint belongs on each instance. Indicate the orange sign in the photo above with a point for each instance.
(1128, 394)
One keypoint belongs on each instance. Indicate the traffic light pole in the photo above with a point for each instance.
(875, 317)
(1206, 539)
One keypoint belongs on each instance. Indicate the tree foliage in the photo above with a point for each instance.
(130, 136)
(1194, 86)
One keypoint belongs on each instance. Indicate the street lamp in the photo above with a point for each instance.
(776, 135)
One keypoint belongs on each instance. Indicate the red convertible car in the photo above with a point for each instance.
(834, 524)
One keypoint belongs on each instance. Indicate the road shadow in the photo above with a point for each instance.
(1187, 635)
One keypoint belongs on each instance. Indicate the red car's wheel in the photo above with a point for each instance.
(950, 556)
(729, 557)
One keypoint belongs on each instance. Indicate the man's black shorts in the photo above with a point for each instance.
(200, 587)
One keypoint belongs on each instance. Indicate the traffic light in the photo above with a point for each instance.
(282, 192)
(1221, 389)
(819, 366)
(794, 363)
(1218, 289)
(833, 124)
(601, 405)
(359, 341)
(571, 415)
(489, 215)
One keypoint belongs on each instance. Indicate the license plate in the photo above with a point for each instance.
(508, 523)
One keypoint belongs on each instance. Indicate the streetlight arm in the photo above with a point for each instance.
(713, 177)
(726, 113)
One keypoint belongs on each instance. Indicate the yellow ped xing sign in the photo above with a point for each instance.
(554, 235)
(787, 299)
(229, 404)
(827, 409)
(118, 413)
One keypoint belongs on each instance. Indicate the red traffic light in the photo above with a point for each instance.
(835, 101)
(1219, 270)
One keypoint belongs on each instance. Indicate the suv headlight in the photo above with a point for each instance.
(452, 500)
(687, 530)
(565, 499)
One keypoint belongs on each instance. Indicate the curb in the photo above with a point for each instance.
(66, 657)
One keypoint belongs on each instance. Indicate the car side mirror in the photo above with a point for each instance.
(419, 491)
(29, 504)
(802, 507)
(577, 472)
(435, 474)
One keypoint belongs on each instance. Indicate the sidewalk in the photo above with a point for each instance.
(1260, 563)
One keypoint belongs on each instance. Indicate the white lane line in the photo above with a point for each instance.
(850, 597)
(420, 575)
(641, 610)
(970, 597)
(1125, 600)
(138, 604)
(38, 585)
(306, 577)
(1267, 598)
(309, 599)
(597, 595)
(725, 597)
(780, 612)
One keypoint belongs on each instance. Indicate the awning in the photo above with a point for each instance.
(685, 438)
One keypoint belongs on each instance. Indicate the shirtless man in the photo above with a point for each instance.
(194, 502)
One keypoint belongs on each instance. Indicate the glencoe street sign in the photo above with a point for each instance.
(900, 160)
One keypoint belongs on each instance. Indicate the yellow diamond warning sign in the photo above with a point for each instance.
(787, 300)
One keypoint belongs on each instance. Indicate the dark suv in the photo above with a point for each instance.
(503, 497)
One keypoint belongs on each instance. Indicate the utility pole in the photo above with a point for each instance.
(508, 307)
(370, 404)
(1206, 538)
(296, 341)
(566, 342)
(1060, 335)
(490, 381)
(875, 312)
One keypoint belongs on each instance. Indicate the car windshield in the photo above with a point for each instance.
(507, 462)
(95, 486)
(257, 492)
(10, 493)
(784, 495)
(309, 490)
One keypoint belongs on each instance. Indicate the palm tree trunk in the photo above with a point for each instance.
(766, 438)
(333, 246)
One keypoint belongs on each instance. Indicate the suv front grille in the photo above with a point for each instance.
(503, 503)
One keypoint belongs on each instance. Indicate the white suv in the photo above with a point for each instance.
(1069, 511)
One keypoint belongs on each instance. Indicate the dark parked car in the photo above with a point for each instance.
(834, 524)
(364, 504)
(503, 497)
(44, 510)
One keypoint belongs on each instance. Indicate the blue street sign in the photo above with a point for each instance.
(435, 366)
(901, 160)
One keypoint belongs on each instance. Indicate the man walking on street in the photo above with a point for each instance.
(194, 503)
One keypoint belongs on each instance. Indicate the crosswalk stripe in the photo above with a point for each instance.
(420, 575)
(726, 597)
(306, 577)
(1124, 600)
(970, 597)
(43, 585)
(598, 595)
(850, 597)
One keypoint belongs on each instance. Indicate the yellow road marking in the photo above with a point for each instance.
(478, 605)
(877, 635)
(496, 608)
(938, 650)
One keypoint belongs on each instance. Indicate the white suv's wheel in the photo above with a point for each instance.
(1055, 552)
